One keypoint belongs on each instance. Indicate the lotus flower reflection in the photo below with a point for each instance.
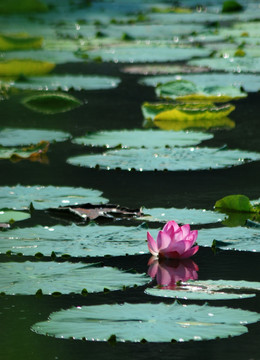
(173, 241)
(169, 272)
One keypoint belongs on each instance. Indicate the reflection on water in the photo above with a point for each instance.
(169, 272)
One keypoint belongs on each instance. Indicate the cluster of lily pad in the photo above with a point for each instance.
(186, 105)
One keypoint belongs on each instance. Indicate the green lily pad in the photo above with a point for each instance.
(231, 6)
(184, 90)
(42, 197)
(149, 53)
(12, 216)
(185, 112)
(207, 290)
(35, 152)
(67, 82)
(239, 203)
(248, 81)
(154, 69)
(172, 159)
(22, 67)
(151, 322)
(231, 238)
(16, 6)
(28, 277)
(184, 216)
(19, 42)
(79, 241)
(51, 103)
(233, 64)
(20, 137)
(142, 138)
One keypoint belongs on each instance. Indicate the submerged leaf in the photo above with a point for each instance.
(51, 103)
(171, 159)
(184, 90)
(142, 138)
(19, 42)
(42, 197)
(25, 67)
(26, 278)
(207, 290)
(152, 322)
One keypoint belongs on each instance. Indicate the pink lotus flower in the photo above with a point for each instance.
(168, 272)
(173, 241)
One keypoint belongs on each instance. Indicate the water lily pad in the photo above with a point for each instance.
(20, 137)
(16, 6)
(28, 277)
(66, 82)
(239, 203)
(172, 159)
(152, 53)
(42, 197)
(184, 216)
(12, 216)
(233, 64)
(51, 103)
(231, 238)
(35, 152)
(79, 241)
(142, 138)
(19, 41)
(185, 112)
(152, 322)
(22, 67)
(154, 69)
(184, 90)
(248, 81)
(207, 290)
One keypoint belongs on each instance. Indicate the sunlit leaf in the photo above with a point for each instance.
(141, 138)
(7, 216)
(42, 197)
(171, 159)
(208, 290)
(79, 241)
(234, 203)
(231, 64)
(35, 152)
(28, 277)
(20, 137)
(19, 42)
(67, 82)
(25, 67)
(152, 322)
(184, 90)
(206, 124)
(235, 238)
(51, 103)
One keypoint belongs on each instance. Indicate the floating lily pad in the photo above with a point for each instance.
(67, 82)
(184, 90)
(152, 53)
(51, 103)
(12, 216)
(142, 138)
(171, 159)
(17, 6)
(233, 64)
(28, 277)
(207, 290)
(154, 69)
(152, 322)
(20, 137)
(184, 216)
(22, 67)
(185, 112)
(231, 238)
(248, 81)
(42, 197)
(35, 152)
(19, 41)
(79, 241)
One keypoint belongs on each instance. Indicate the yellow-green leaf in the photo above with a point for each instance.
(25, 67)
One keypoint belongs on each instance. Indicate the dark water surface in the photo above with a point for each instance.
(119, 109)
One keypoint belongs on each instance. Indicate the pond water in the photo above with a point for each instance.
(116, 105)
